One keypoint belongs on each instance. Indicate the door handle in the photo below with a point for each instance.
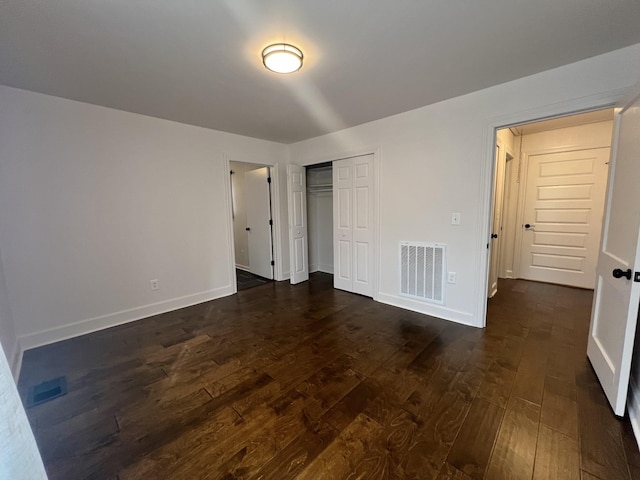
(617, 273)
(528, 226)
(494, 235)
(248, 229)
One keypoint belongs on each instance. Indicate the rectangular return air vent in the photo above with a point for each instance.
(422, 271)
(46, 391)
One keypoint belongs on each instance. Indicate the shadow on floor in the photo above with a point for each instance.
(248, 280)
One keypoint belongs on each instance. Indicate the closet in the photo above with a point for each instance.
(320, 217)
(337, 234)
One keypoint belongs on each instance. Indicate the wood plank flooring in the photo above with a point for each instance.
(308, 382)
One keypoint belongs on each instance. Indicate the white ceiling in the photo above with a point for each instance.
(198, 61)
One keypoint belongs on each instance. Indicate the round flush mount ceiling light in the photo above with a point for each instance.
(282, 58)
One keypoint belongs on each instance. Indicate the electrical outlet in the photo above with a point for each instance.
(451, 277)
(155, 285)
(455, 219)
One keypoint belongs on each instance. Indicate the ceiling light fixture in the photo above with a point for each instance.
(282, 58)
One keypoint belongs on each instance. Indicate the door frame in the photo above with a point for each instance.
(276, 193)
(506, 151)
(375, 151)
(488, 165)
(510, 156)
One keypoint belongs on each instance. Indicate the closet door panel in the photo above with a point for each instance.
(353, 224)
(342, 225)
(363, 232)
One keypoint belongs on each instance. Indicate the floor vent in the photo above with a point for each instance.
(422, 271)
(46, 391)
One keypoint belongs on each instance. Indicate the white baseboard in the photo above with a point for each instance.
(633, 405)
(14, 359)
(428, 309)
(16, 362)
(83, 327)
(242, 267)
(321, 267)
(326, 268)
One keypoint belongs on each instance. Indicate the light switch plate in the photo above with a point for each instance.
(455, 219)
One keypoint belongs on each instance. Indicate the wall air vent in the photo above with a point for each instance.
(422, 271)
(46, 391)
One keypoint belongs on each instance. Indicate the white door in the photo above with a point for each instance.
(615, 306)
(564, 203)
(496, 220)
(353, 219)
(297, 187)
(342, 224)
(257, 201)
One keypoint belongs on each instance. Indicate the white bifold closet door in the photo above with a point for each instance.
(353, 224)
(298, 237)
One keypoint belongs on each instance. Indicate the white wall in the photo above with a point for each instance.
(593, 135)
(510, 142)
(8, 338)
(320, 209)
(95, 202)
(320, 220)
(433, 161)
(19, 456)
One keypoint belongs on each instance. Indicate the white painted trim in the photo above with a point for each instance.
(633, 405)
(438, 311)
(94, 324)
(499, 149)
(522, 196)
(565, 149)
(341, 155)
(228, 206)
(491, 125)
(242, 267)
(16, 367)
(502, 264)
(14, 359)
(325, 268)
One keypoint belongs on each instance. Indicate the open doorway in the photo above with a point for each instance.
(613, 305)
(550, 181)
(320, 217)
(251, 213)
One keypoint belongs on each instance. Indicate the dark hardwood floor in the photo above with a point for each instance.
(246, 280)
(308, 382)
